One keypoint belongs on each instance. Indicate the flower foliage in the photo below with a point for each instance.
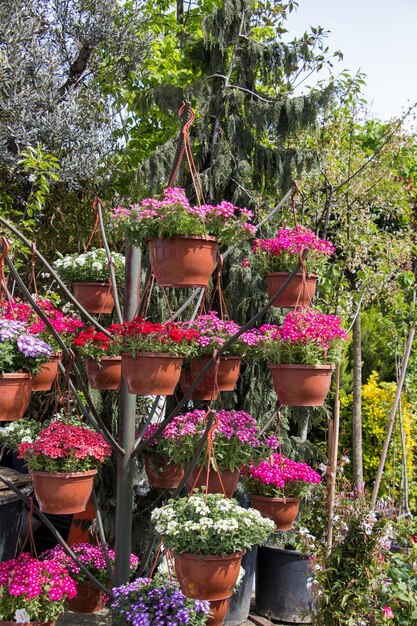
(278, 477)
(96, 344)
(282, 253)
(38, 587)
(210, 524)
(306, 336)
(234, 438)
(89, 266)
(65, 448)
(19, 350)
(173, 215)
(20, 431)
(91, 556)
(141, 336)
(146, 602)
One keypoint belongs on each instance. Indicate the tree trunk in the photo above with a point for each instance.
(357, 463)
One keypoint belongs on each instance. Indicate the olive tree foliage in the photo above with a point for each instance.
(58, 121)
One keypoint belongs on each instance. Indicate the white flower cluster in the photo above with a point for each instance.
(91, 265)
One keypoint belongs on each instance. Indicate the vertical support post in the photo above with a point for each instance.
(127, 414)
(333, 446)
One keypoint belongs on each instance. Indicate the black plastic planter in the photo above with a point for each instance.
(281, 585)
(239, 605)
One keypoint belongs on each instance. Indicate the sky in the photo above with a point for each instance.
(378, 38)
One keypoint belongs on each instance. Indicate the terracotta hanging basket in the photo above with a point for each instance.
(183, 261)
(105, 374)
(295, 294)
(198, 394)
(89, 599)
(161, 473)
(63, 493)
(150, 374)
(94, 297)
(47, 375)
(227, 376)
(209, 578)
(229, 479)
(283, 511)
(301, 385)
(15, 390)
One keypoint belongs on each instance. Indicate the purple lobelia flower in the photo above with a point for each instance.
(31, 346)
(10, 329)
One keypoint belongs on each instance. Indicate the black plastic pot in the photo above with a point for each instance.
(239, 605)
(281, 585)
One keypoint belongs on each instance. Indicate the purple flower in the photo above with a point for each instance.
(31, 346)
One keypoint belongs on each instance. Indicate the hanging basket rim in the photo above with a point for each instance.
(64, 474)
(212, 238)
(289, 366)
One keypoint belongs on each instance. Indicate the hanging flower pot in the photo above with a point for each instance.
(227, 376)
(183, 261)
(89, 598)
(104, 374)
(63, 493)
(47, 375)
(298, 293)
(94, 297)
(161, 473)
(301, 385)
(151, 373)
(282, 511)
(229, 480)
(15, 391)
(198, 394)
(209, 578)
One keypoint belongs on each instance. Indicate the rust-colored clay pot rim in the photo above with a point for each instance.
(288, 273)
(231, 357)
(271, 499)
(210, 557)
(292, 366)
(56, 355)
(164, 355)
(24, 375)
(65, 474)
(103, 358)
(198, 237)
(93, 282)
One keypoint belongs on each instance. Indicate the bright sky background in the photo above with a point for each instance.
(379, 37)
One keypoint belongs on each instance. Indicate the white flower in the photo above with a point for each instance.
(21, 616)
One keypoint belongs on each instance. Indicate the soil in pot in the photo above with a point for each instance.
(94, 297)
(15, 392)
(229, 480)
(105, 374)
(63, 493)
(161, 473)
(47, 374)
(151, 374)
(183, 261)
(283, 511)
(297, 293)
(301, 385)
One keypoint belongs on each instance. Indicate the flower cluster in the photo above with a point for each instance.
(65, 448)
(19, 350)
(89, 555)
(40, 588)
(21, 431)
(146, 602)
(141, 336)
(234, 436)
(210, 524)
(282, 253)
(278, 476)
(173, 215)
(305, 336)
(96, 344)
(91, 266)
(212, 332)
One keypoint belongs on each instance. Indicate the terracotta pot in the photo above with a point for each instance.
(7, 623)
(162, 474)
(227, 376)
(94, 297)
(183, 261)
(63, 493)
(89, 599)
(295, 294)
(301, 385)
(15, 390)
(47, 375)
(229, 479)
(197, 394)
(105, 374)
(150, 374)
(282, 511)
(218, 610)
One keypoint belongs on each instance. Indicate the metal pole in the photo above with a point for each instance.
(126, 463)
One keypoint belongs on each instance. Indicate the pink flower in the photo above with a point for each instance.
(389, 613)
